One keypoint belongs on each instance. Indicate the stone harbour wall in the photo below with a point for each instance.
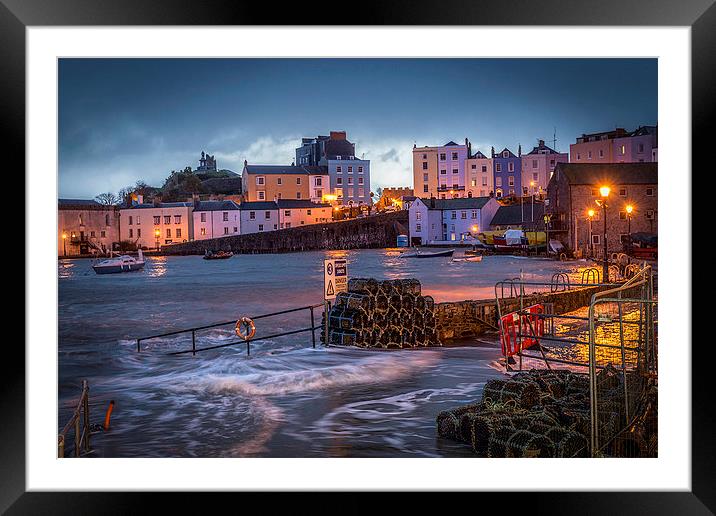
(375, 231)
(466, 319)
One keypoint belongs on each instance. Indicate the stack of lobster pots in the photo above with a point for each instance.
(382, 314)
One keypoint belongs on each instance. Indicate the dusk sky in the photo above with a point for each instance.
(121, 120)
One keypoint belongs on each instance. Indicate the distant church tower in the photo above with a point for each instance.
(206, 163)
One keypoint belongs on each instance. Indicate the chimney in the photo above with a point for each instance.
(246, 162)
(519, 149)
(157, 200)
(469, 148)
(338, 135)
(541, 143)
(140, 198)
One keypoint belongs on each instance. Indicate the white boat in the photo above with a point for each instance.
(421, 254)
(469, 258)
(123, 263)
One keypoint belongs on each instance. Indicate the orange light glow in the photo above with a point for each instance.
(590, 213)
(629, 209)
(604, 191)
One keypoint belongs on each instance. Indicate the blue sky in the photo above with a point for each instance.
(121, 120)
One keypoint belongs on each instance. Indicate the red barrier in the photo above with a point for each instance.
(527, 324)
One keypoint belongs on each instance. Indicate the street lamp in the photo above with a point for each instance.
(547, 218)
(64, 243)
(604, 192)
(156, 236)
(590, 213)
(629, 209)
(532, 194)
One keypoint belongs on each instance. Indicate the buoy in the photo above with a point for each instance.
(249, 325)
(108, 414)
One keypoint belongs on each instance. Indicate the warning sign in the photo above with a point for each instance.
(335, 278)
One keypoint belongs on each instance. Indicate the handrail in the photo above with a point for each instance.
(194, 329)
(81, 438)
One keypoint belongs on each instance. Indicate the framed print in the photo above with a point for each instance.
(411, 251)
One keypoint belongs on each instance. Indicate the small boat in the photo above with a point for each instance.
(219, 255)
(435, 254)
(469, 258)
(123, 263)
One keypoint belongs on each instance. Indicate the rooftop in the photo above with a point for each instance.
(516, 215)
(82, 204)
(148, 205)
(456, 204)
(215, 206)
(608, 173)
(258, 205)
(283, 169)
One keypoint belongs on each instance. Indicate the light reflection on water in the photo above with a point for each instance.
(286, 399)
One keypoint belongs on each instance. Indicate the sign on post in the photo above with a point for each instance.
(335, 278)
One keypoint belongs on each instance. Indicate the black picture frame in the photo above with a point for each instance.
(16, 15)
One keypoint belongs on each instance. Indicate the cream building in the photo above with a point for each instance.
(85, 227)
(258, 216)
(275, 182)
(296, 213)
(152, 225)
(214, 219)
(479, 179)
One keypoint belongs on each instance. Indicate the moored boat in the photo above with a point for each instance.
(123, 263)
(434, 254)
(219, 255)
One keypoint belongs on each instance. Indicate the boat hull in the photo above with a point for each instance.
(437, 254)
(115, 269)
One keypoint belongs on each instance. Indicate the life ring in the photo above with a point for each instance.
(245, 321)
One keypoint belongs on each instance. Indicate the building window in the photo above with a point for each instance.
(601, 153)
(484, 180)
(425, 165)
(261, 227)
(473, 166)
(474, 214)
(106, 220)
(308, 212)
(443, 171)
(498, 167)
(594, 192)
(339, 169)
(454, 171)
(442, 157)
(596, 239)
(463, 215)
(418, 228)
(252, 215)
(622, 215)
(498, 181)
(226, 231)
(454, 156)
(360, 170)
(622, 192)
(649, 214)
(169, 233)
(267, 214)
(261, 195)
(288, 225)
(226, 216)
(319, 181)
(650, 192)
(167, 219)
(298, 180)
(453, 215)
(260, 180)
(511, 181)
(202, 231)
(425, 188)
(418, 215)
(350, 180)
(484, 168)
(298, 195)
(535, 176)
(177, 219)
(510, 167)
(279, 181)
(236, 229)
(130, 233)
(622, 150)
(506, 154)
(641, 148)
(130, 220)
(473, 182)
(589, 154)
(287, 213)
(178, 232)
(339, 180)
(350, 169)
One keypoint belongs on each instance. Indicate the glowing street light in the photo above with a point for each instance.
(156, 236)
(64, 243)
(590, 214)
(604, 192)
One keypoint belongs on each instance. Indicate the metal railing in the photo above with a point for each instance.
(79, 422)
(194, 349)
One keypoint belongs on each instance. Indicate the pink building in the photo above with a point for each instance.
(617, 146)
(538, 166)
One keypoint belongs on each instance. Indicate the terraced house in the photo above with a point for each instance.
(275, 182)
(213, 219)
(151, 225)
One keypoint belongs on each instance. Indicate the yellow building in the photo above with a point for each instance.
(425, 171)
(276, 182)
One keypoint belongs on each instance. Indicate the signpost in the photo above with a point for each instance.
(335, 280)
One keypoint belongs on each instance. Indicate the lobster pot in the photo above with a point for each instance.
(497, 443)
(408, 286)
(347, 319)
(343, 338)
(568, 443)
(368, 285)
(577, 383)
(382, 302)
(396, 302)
(483, 428)
(525, 394)
(448, 421)
(431, 337)
(354, 301)
(388, 288)
(418, 319)
(406, 317)
(379, 319)
(524, 443)
(408, 338)
(419, 336)
(429, 303)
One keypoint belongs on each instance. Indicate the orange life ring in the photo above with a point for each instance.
(249, 324)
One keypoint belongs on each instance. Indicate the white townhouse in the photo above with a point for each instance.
(258, 216)
(150, 225)
(214, 219)
(441, 220)
(294, 213)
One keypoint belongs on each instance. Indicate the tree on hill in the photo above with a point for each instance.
(107, 198)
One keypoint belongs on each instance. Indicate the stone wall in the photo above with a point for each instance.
(371, 232)
(467, 319)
